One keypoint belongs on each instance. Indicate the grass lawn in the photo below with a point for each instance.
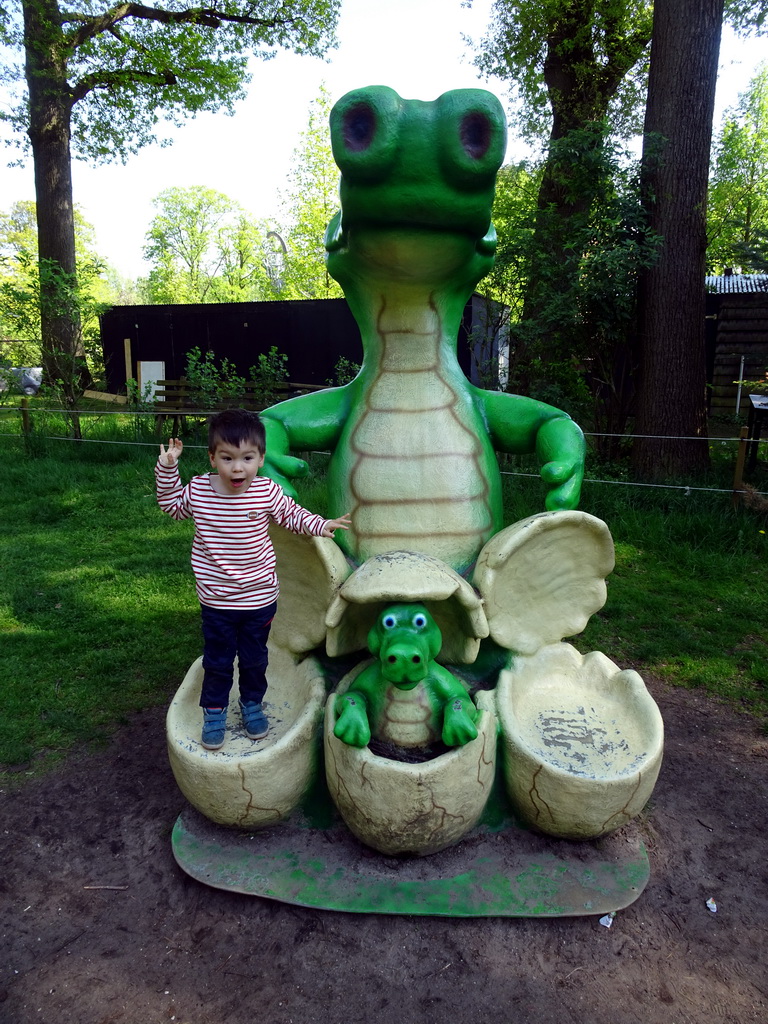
(99, 618)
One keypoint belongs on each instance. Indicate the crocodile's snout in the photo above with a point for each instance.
(405, 639)
(405, 659)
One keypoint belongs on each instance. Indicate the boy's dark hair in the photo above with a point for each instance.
(236, 427)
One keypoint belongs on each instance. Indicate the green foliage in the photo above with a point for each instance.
(737, 207)
(573, 347)
(310, 203)
(215, 383)
(344, 372)
(29, 288)
(41, 288)
(129, 66)
(570, 59)
(756, 387)
(514, 213)
(568, 266)
(747, 16)
(212, 383)
(204, 248)
(270, 371)
(139, 399)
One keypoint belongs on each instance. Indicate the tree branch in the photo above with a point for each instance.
(109, 79)
(207, 16)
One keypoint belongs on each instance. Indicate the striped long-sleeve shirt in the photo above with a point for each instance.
(232, 555)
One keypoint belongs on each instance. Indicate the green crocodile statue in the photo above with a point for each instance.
(412, 440)
(405, 698)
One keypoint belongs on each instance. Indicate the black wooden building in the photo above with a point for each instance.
(737, 337)
(151, 342)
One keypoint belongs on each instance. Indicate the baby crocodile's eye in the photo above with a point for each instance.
(420, 621)
(388, 622)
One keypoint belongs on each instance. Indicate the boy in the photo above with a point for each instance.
(234, 561)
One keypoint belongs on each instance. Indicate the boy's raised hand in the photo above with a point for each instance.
(170, 456)
(342, 523)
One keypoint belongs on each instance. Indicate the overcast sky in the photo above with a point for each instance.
(414, 46)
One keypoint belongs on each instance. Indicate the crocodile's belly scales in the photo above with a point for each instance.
(416, 479)
(406, 718)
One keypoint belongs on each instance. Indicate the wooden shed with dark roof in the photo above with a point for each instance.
(737, 337)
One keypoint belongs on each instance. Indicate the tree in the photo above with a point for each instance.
(737, 208)
(204, 249)
(103, 79)
(677, 138)
(584, 58)
(311, 202)
(20, 284)
(596, 311)
(245, 262)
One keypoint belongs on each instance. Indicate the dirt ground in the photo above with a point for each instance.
(167, 948)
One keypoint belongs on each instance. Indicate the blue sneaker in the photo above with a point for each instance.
(254, 720)
(214, 728)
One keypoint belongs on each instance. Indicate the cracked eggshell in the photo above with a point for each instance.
(249, 783)
(583, 741)
(399, 808)
(402, 576)
(542, 578)
(310, 570)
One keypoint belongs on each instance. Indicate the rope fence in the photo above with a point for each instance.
(736, 491)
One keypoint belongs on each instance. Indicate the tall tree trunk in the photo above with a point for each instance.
(676, 150)
(50, 111)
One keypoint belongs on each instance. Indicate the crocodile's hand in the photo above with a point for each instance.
(352, 725)
(458, 722)
(560, 445)
(563, 480)
(279, 464)
(282, 469)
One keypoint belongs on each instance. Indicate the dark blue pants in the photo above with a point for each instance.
(229, 632)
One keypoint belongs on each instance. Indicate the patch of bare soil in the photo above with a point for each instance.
(161, 947)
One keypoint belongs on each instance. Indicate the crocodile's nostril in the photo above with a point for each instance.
(359, 127)
(416, 659)
(392, 659)
(475, 134)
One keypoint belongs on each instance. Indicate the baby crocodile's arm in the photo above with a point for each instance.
(353, 725)
(309, 422)
(458, 708)
(520, 425)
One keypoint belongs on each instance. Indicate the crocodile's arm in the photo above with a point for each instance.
(356, 707)
(309, 422)
(459, 713)
(519, 425)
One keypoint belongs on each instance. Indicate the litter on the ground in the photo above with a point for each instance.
(711, 905)
(607, 920)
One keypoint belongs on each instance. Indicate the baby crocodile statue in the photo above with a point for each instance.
(413, 442)
(405, 697)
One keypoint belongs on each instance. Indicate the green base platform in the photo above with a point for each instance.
(501, 870)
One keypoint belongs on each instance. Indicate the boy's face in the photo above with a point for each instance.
(236, 466)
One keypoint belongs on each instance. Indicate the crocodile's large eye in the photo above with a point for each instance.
(472, 133)
(365, 133)
(389, 622)
(475, 134)
(358, 127)
(420, 620)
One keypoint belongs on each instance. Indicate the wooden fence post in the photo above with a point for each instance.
(738, 476)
